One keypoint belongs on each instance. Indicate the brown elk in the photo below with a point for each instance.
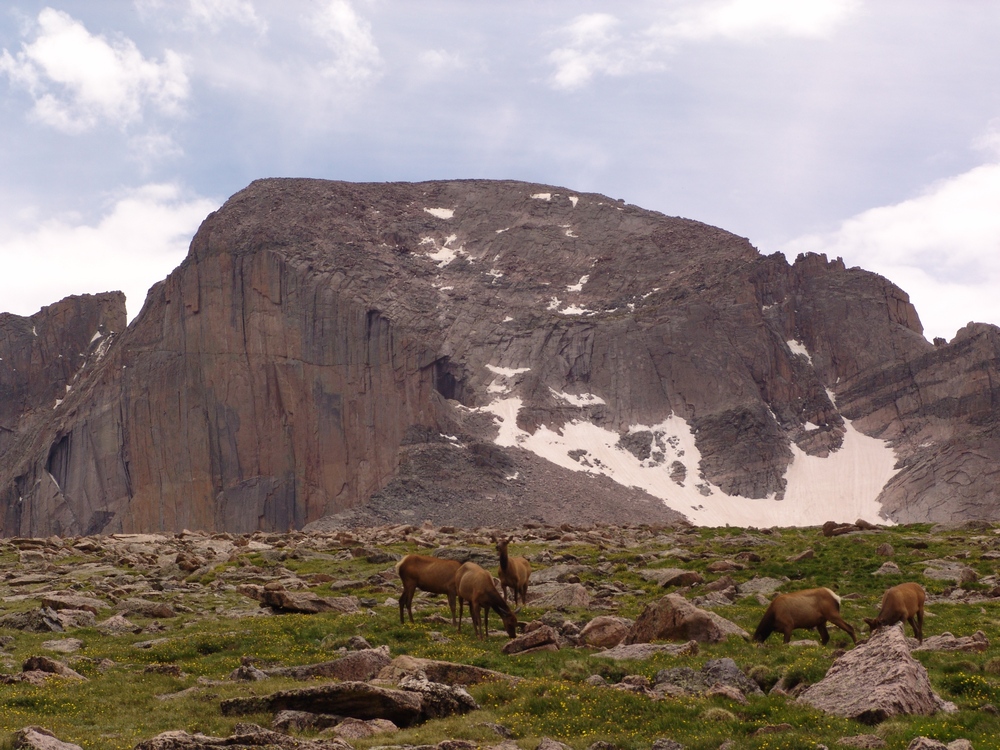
(514, 573)
(810, 608)
(475, 586)
(902, 602)
(434, 575)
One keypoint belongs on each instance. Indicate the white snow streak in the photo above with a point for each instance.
(582, 399)
(542, 196)
(578, 286)
(441, 213)
(573, 199)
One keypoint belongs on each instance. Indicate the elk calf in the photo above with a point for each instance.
(514, 573)
(902, 602)
(434, 575)
(810, 608)
(475, 586)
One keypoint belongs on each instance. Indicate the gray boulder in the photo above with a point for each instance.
(876, 680)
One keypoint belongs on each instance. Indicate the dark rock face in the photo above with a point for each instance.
(474, 352)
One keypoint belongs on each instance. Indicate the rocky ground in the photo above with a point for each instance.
(661, 613)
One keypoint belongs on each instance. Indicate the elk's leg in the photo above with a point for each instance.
(824, 634)
(841, 623)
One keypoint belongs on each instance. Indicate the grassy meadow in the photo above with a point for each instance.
(177, 682)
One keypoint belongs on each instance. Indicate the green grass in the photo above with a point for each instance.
(121, 704)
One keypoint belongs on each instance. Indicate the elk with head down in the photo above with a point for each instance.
(810, 608)
(902, 602)
(474, 585)
(434, 575)
(514, 573)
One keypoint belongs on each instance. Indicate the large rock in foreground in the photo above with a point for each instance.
(416, 701)
(875, 681)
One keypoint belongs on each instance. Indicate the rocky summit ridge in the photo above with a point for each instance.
(488, 352)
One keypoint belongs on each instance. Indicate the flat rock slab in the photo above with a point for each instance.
(444, 672)
(416, 701)
(671, 576)
(559, 596)
(976, 643)
(244, 737)
(64, 645)
(640, 651)
(876, 680)
(357, 666)
(358, 700)
(71, 601)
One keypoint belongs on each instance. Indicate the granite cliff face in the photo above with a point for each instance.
(496, 352)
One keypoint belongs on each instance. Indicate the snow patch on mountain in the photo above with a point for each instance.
(843, 486)
(441, 213)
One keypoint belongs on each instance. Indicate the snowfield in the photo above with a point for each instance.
(842, 487)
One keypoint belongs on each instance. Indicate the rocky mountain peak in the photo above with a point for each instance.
(499, 352)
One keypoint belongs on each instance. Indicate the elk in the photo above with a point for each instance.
(514, 573)
(475, 586)
(902, 602)
(434, 575)
(810, 608)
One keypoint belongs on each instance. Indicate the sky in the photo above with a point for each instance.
(864, 130)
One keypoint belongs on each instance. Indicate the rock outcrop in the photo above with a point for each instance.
(876, 680)
(487, 352)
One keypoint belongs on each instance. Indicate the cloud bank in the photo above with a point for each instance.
(138, 241)
(941, 246)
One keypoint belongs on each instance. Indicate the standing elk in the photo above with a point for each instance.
(475, 586)
(810, 608)
(434, 575)
(902, 602)
(514, 573)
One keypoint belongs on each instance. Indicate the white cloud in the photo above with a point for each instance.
(751, 20)
(356, 57)
(942, 247)
(595, 43)
(139, 240)
(78, 79)
(595, 46)
(437, 62)
(215, 15)
(152, 149)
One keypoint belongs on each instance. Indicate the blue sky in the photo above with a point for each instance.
(866, 130)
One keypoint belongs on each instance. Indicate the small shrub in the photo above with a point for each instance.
(992, 666)
(717, 714)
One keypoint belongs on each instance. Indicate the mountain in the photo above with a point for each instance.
(491, 352)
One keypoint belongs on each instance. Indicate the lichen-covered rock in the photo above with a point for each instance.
(444, 672)
(245, 737)
(39, 738)
(876, 680)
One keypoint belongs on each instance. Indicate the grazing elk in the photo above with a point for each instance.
(810, 608)
(475, 586)
(434, 575)
(514, 573)
(902, 602)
